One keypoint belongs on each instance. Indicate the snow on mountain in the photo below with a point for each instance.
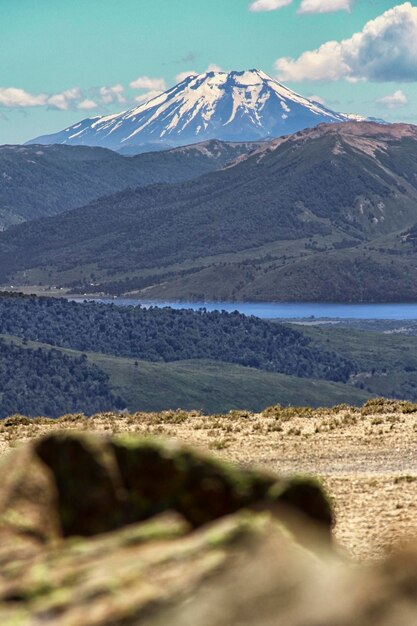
(234, 106)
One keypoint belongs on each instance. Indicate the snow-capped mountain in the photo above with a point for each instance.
(231, 106)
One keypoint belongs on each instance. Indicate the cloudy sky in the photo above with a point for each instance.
(64, 60)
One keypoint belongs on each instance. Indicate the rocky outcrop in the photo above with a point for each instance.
(69, 484)
(125, 531)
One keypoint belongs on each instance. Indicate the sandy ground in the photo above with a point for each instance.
(366, 458)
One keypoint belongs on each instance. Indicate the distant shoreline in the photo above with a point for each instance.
(306, 313)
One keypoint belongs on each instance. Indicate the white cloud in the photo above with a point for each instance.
(306, 6)
(397, 100)
(86, 104)
(268, 5)
(58, 101)
(385, 50)
(69, 99)
(183, 75)
(326, 64)
(15, 98)
(64, 100)
(212, 67)
(115, 93)
(151, 84)
(325, 6)
(145, 97)
(318, 99)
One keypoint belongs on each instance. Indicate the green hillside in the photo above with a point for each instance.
(98, 357)
(46, 180)
(165, 335)
(386, 363)
(102, 357)
(39, 380)
(206, 385)
(321, 215)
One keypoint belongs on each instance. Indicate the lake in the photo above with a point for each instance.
(286, 310)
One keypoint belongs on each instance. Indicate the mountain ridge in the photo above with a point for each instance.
(39, 180)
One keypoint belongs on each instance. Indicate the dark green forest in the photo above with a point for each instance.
(164, 334)
(47, 382)
(59, 356)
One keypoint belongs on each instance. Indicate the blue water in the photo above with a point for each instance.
(273, 310)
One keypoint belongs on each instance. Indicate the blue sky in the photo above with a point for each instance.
(64, 60)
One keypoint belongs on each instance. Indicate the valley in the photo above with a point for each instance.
(324, 215)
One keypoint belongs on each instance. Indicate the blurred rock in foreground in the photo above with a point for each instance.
(100, 531)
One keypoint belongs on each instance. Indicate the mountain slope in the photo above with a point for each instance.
(332, 189)
(36, 181)
(234, 106)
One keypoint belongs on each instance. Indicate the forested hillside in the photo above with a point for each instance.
(45, 180)
(296, 208)
(47, 382)
(169, 335)
(61, 356)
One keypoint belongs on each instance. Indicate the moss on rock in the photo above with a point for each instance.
(87, 479)
(71, 483)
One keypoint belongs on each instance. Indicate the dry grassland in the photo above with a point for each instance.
(366, 457)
